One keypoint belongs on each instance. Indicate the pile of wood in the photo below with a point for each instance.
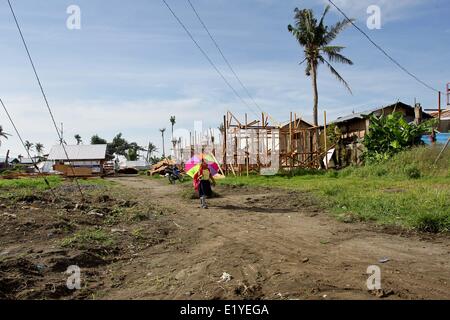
(158, 168)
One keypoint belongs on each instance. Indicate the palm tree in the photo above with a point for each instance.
(150, 149)
(28, 145)
(39, 148)
(315, 38)
(78, 138)
(173, 121)
(162, 134)
(3, 134)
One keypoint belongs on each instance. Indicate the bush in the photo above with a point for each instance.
(412, 172)
(388, 135)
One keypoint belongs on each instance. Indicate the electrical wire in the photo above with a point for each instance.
(44, 95)
(26, 149)
(384, 51)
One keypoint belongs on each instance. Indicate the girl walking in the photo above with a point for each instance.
(202, 182)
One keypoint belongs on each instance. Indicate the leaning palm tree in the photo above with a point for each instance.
(39, 148)
(3, 134)
(315, 38)
(78, 138)
(28, 145)
(162, 134)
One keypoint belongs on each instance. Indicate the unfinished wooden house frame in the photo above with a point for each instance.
(292, 144)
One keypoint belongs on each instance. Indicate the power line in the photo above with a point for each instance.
(384, 51)
(223, 56)
(43, 94)
(26, 149)
(207, 57)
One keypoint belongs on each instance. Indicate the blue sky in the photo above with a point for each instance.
(131, 65)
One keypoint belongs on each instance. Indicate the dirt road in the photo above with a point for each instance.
(141, 239)
(275, 245)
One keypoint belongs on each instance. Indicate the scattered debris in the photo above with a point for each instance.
(178, 226)
(94, 213)
(305, 260)
(384, 260)
(161, 166)
(114, 230)
(225, 277)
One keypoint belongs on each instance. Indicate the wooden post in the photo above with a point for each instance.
(325, 138)
(247, 158)
(439, 108)
(225, 143)
(290, 142)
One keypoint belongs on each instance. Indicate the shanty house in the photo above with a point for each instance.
(357, 124)
(85, 159)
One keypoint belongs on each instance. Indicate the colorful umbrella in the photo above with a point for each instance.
(193, 165)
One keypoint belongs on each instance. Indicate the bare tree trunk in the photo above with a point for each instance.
(316, 104)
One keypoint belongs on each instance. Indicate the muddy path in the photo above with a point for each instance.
(275, 245)
(142, 239)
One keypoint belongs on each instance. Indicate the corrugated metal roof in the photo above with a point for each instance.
(362, 115)
(445, 114)
(78, 152)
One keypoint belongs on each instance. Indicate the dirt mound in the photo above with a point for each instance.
(16, 275)
(84, 259)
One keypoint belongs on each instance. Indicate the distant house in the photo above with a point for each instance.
(85, 159)
(444, 125)
(356, 125)
(138, 164)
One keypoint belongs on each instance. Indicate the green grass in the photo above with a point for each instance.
(29, 183)
(406, 191)
(87, 238)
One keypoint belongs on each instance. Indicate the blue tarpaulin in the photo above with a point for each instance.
(441, 138)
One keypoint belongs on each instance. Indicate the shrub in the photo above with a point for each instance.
(412, 172)
(388, 135)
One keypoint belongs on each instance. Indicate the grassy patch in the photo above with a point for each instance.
(30, 183)
(96, 182)
(384, 193)
(85, 239)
